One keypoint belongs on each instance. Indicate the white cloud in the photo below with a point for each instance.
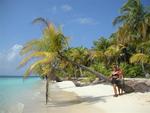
(86, 21)
(66, 7)
(9, 60)
(14, 51)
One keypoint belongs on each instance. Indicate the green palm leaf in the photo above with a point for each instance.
(49, 55)
(140, 58)
(33, 66)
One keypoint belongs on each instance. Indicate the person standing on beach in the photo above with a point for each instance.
(116, 79)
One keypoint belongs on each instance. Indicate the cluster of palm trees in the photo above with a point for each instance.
(129, 46)
(135, 31)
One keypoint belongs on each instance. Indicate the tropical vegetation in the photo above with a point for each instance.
(129, 47)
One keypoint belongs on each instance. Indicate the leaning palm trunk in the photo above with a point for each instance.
(99, 75)
(126, 86)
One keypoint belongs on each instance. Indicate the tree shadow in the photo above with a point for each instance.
(91, 99)
(79, 100)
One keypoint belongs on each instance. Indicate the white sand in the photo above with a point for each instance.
(101, 96)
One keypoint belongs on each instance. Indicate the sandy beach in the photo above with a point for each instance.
(60, 101)
(65, 97)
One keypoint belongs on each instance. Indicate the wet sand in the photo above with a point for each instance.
(59, 102)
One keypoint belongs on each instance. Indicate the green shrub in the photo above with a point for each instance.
(130, 70)
(100, 67)
(89, 77)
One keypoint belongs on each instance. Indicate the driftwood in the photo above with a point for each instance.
(136, 85)
(129, 85)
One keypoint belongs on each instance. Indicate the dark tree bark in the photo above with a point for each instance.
(51, 76)
(55, 78)
(47, 88)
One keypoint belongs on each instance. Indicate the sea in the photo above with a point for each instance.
(15, 91)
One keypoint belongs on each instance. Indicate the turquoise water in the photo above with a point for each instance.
(14, 91)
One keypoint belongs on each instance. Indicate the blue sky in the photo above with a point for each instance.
(82, 20)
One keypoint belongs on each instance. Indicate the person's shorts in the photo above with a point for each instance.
(115, 81)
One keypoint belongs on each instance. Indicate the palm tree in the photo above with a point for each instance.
(100, 75)
(81, 56)
(135, 27)
(130, 11)
(101, 44)
(140, 58)
(143, 55)
(45, 52)
(114, 53)
(98, 50)
(135, 21)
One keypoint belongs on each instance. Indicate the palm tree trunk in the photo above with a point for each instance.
(99, 75)
(75, 74)
(81, 74)
(117, 61)
(47, 88)
(126, 87)
(143, 68)
(142, 64)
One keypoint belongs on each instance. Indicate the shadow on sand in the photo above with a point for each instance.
(64, 98)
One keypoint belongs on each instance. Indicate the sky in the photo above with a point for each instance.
(82, 20)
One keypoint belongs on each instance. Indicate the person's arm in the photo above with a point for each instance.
(120, 74)
(110, 76)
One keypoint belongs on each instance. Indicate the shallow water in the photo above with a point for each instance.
(18, 96)
(14, 91)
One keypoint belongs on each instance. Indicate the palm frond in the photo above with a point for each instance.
(30, 46)
(114, 50)
(34, 65)
(96, 54)
(140, 58)
(119, 19)
(37, 55)
(41, 20)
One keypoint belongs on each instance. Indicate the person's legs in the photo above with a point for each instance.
(120, 86)
(115, 89)
(119, 90)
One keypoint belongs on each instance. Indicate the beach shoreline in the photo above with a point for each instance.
(59, 101)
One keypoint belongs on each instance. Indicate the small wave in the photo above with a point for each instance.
(17, 108)
(35, 95)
